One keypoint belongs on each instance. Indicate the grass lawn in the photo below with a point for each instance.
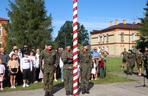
(113, 65)
(32, 86)
(111, 79)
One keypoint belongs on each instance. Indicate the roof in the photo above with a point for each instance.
(3, 19)
(127, 26)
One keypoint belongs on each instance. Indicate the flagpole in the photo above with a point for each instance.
(75, 47)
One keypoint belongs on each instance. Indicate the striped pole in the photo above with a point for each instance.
(75, 47)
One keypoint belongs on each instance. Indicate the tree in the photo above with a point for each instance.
(65, 34)
(143, 42)
(29, 23)
(144, 23)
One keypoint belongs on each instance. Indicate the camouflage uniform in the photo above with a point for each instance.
(49, 58)
(124, 59)
(85, 66)
(130, 62)
(139, 59)
(146, 63)
(68, 71)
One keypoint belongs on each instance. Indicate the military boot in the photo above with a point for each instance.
(50, 94)
(71, 93)
(46, 93)
(86, 90)
(83, 90)
(67, 93)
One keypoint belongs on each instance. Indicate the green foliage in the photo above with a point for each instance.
(65, 34)
(142, 43)
(29, 23)
(144, 22)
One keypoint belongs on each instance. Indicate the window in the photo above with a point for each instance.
(133, 36)
(1, 30)
(104, 38)
(122, 37)
(107, 38)
(101, 39)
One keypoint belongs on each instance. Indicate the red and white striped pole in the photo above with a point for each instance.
(75, 47)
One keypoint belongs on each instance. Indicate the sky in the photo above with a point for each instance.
(93, 14)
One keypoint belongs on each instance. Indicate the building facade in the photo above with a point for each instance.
(3, 32)
(116, 37)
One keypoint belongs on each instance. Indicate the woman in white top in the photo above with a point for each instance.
(33, 75)
(37, 64)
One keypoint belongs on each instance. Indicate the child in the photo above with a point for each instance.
(26, 68)
(94, 70)
(13, 68)
(2, 73)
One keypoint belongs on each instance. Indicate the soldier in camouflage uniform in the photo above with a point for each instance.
(67, 57)
(146, 61)
(139, 61)
(124, 59)
(130, 62)
(85, 66)
(49, 57)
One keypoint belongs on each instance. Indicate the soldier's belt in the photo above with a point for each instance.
(68, 67)
(68, 64)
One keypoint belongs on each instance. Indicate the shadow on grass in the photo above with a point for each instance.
(91, 84)
(57, 87)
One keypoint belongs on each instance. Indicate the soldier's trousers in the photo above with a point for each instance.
(146, 69)
(48, 79)
(85, 75)
(130, 67)
(68, 79)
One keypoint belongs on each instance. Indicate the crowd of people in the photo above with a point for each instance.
(20, 66)
(134, 58)
(25, 66)
(99, 56)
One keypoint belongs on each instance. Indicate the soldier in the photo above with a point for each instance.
(146, 61)
(67, 58)
(124, 59)
(49, 57)
(85, 66)
(130, 62)
(139, 61)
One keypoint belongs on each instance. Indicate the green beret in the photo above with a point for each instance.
(49, 43)
(68, 44)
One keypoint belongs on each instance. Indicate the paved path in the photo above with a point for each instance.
(115, 89)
